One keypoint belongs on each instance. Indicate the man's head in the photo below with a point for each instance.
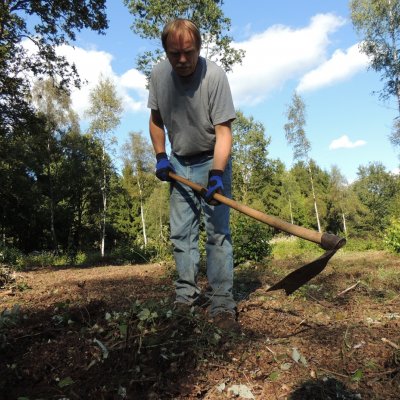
(182, 42)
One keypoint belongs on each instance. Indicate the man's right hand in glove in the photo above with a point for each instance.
(163, 167)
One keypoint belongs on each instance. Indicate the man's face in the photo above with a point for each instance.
(182, 53)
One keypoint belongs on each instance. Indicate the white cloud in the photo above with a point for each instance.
(133, 82)
(396, 171)
(341, 66)
(279, 54)
(91, 65)
(345, 143)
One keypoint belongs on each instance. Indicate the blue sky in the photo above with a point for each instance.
(309, 46)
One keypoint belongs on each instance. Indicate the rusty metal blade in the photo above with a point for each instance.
(302, 275)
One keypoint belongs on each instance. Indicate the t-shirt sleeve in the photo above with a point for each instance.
(222, 108)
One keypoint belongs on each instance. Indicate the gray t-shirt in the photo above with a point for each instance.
(190, 107)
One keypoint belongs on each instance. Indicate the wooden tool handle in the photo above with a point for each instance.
(275, 222)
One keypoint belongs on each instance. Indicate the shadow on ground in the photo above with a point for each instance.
(323, 389)
(104, 348)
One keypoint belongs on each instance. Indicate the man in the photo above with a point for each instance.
(190, 99)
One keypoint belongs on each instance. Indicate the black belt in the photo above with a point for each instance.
(193, 158)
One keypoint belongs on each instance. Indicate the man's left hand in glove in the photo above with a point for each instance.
(215, 185)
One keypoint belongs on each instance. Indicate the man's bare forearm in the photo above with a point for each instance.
(223, 145)
(157, 132)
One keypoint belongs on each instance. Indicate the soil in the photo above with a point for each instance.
(111, 332)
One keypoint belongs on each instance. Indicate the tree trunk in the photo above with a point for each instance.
(393, 29)
(104, 196)
(103, 230)
(3, 227)
(142, 212)
(52, 201)
(291, 211)
(314, 198)
(344, 224)
(143, 221)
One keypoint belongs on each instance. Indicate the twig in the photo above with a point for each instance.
(348, 289)
(391, 371)
(394, 345)
(320, 302)
(333, 372)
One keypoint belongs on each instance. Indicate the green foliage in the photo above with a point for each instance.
(48, 28)
(105, 109)
(44, 259)
(249, 157)
(303, 191)
(392, 235)
(284, 247)
(8, 319)
(151, 16)
(133, 254)
(376, 189)
(363, 243)
(250, 239)
(11, 256)
(378, 21)
(294, 128)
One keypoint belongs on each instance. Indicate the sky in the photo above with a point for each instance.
(307, 46)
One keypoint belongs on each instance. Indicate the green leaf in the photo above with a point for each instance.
(286, 366)
(123, 328)
(65, 382)
(274, 376)
(144, 315)
(357, 376)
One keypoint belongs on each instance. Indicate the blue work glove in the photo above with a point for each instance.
(215, 185)
(163, 166)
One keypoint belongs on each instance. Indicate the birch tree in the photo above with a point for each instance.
(105, 114)
(296, 137)
(139, 155)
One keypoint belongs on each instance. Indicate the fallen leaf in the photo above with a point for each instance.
(241, 391)
(65, 382)
(286, 366)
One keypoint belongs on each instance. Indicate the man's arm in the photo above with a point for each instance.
(157, 132)
(223, 145)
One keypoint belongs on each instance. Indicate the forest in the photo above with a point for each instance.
(75, 193)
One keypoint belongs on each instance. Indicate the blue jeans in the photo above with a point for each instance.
(186, 207)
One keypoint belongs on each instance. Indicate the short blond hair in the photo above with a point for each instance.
(180, 25)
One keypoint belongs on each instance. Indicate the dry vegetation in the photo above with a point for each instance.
(110, 333)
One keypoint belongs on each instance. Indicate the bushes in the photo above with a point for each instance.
(392, 235)
(133, 254)
(11, 257)
(250, 239)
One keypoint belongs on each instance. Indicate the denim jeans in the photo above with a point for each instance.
(186, 208)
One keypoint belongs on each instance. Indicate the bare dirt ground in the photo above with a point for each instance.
(111, 333)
